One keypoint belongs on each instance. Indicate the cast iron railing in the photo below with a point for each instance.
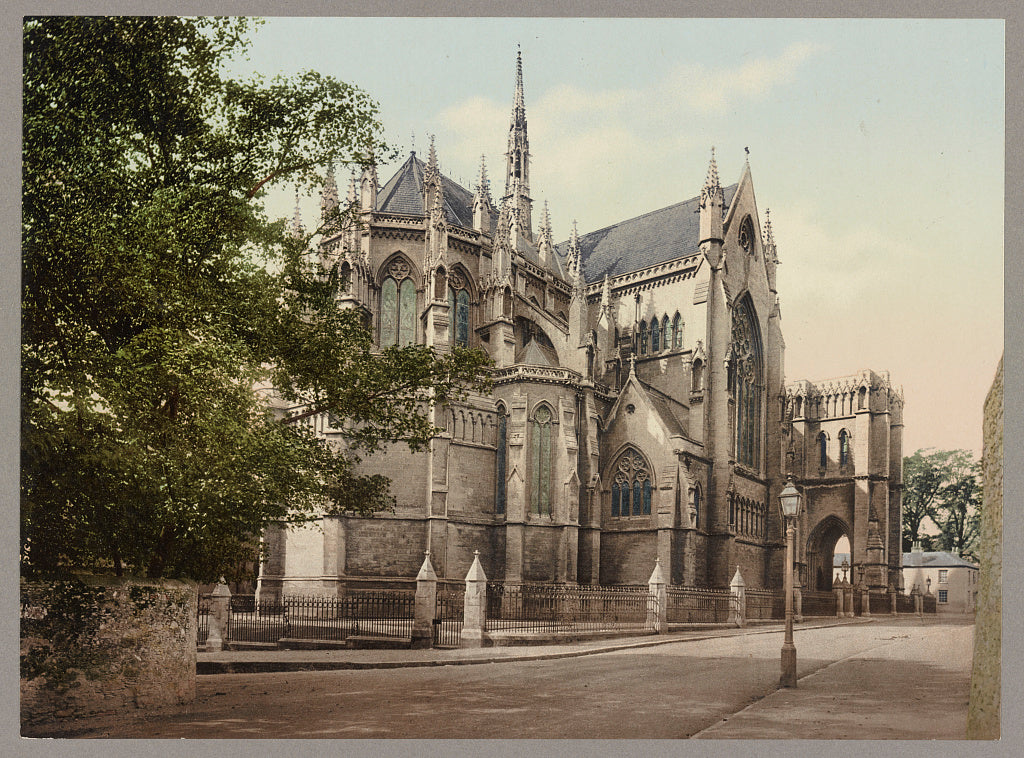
(698, 605)
(765, 604)
(532, 608)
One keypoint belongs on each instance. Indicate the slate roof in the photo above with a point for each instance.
(403, 193)
(934, 560)
(536, 354)
(939, 559)
(646, 240)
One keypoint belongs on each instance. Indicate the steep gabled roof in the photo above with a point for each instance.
(403, 193)
(655, 237)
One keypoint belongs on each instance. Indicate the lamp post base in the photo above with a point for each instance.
(788, 678)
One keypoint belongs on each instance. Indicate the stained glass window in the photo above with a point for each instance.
(747, 384)
(398, 306)
(822, 450)
(541, 443)
(677, 332)
(844, 448)
(499, 500)
(458, 311)
(643, 338)
(655, 336)
(666, 334)
(632, 477)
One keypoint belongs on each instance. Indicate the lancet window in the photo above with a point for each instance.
(540, 495)
(844, 448)
(655, 335)
(677, 332)
(631, 486)
(748, 386)
(398, 306)
(458, 310)
(501, 445)
(822, 450)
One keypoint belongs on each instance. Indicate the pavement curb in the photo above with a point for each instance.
(205, 668)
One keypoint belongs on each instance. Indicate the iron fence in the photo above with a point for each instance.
(765, 604)
(448, 617)
(334, 619)
(690, 605)
(202, 620)
(905, 604)
(818, 603)
(581, 608)
(930, 604)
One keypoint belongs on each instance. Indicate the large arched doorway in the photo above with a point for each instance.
(821, 547)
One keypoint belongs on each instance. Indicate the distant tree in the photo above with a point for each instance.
(157, 296)
(941, 489)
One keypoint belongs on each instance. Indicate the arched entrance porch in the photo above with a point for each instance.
(821, 547)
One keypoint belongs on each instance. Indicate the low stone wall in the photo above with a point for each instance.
(104, 644)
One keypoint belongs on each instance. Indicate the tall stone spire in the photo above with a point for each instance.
(768, 241)
(712, 201)
(517, 166)
(431, 179)
(574, 262)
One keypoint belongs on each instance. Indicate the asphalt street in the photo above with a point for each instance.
(904, 679)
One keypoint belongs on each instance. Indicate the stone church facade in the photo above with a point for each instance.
(639, 408)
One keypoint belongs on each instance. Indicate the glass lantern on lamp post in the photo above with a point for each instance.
(789, 501)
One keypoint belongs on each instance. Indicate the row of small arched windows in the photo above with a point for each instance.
(658, 335)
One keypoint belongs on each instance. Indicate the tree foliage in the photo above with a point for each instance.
(157, 296)
(941, 489)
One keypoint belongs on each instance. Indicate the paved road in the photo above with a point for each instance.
(899, 679)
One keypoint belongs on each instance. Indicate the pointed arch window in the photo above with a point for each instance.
(541, 462)
(501, 457)
(643, 338)
(458, 310)
(822, 450)
(677, 332)
(398, 306)
(666, 334)
(655, 335)
(631, 486)
(747, 384)
(697, 376)
(844, 448)
(695, 505)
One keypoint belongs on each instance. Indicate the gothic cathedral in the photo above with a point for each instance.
(639, 408)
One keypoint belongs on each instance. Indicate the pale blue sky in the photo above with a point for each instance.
(877, 145)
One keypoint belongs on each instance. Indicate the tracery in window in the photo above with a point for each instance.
(541, 462)
(747, 384)
(398, 306)
(458, 310)
(631, 486)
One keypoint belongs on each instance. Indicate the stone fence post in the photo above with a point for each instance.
(837, 590)
(220, 602)
(918, 600)
(737, 600)
(865, 600)
(848, 593)
(475, 605)
(425, 606)
(657, 604)
(892, 598)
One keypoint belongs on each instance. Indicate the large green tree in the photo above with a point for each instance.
(157, 296)
(941, 489)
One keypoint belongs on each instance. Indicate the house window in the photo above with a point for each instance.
(398, 306)
(655, 336)
(943, 576)
(631, 486)
(943, 596)
(501, 444)
(844, 448)
(541, 455)
(458, 311)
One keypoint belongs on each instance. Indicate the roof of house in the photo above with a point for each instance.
(939, 559)
(655, 237)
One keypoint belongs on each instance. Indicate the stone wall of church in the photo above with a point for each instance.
(751, 560)
(463, 539)
(471, 484)
(627, 557)
(540, 551)
(383, 546)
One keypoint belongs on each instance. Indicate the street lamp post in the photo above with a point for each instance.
(789, 500)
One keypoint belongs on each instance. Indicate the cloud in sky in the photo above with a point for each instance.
(586, 139)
